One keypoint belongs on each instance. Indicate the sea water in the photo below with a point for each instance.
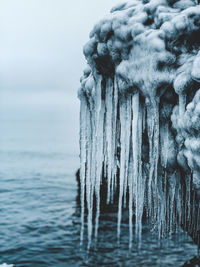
(39, 212)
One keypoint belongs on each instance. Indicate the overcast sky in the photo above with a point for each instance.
(41, 42)
(41, 57)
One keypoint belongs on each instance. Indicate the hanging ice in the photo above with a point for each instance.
(139, 118)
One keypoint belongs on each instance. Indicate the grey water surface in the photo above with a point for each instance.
(39, 214)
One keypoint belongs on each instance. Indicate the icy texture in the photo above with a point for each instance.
(6, 265)
(140, 115)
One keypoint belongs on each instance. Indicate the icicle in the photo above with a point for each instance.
(99, 157)
(93, 168)
(138, 178)
(83, 130)
(97, 148)
(164, 144)
(130, 184)
(124, 155)
(156, 156)
(150, 124)
(141, 178)
(102, 133)
(127, 138)
(122, 163)
(172, 186)
(144, 120)
(162, 182)
(108, 129)
(88, 176)
(153, 135)
(114, 139)
(135, 110)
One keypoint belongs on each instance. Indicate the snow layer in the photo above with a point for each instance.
(140, 113)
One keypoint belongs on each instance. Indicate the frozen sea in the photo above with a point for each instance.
(39, 214)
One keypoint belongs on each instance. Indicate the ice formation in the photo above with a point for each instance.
(140, 116)
(6, 265)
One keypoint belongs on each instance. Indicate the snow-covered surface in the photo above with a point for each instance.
(140, 111)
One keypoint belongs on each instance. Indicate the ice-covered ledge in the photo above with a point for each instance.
(140, 114)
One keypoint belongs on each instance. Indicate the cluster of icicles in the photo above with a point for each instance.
(112, 127)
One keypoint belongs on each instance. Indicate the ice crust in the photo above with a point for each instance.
(6, 265)
(140, 113)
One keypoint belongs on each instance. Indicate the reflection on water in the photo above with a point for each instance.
(40, 224)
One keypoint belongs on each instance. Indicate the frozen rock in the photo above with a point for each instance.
(140, 115)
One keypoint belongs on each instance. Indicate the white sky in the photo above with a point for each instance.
(41, 57)
(41, 42)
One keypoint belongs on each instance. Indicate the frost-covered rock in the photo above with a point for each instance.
(140, 114)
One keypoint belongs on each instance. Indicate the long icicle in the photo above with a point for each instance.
(88, 175)
(122, 161)
(127, 143)
(135, 110)
(153, 136)
(95, 106)
(109, 116)
(100, 129)
(83, 117)
(141, 176)
(114, 139)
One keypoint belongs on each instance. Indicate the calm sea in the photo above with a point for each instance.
(39, 214)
